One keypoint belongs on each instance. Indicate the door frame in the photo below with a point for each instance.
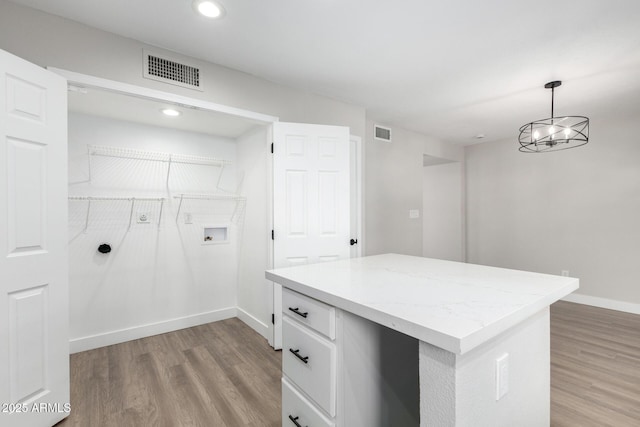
(359, 213)
(81, 81)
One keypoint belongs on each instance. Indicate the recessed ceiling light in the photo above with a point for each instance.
(208, 8)
(170, 112)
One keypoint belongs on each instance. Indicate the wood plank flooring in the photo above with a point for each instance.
(219, 374)
(595, 367)
(225, 374)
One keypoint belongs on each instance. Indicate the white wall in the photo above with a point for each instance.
(393, 186)
(442, 197)
(254, 297)
(574, 210)
(156, 278)
(49, 40)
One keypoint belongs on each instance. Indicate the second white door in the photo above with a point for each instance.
(311, 207)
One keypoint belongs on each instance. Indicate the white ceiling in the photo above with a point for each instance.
(451, 69)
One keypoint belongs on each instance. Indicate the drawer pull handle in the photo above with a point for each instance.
(295, 420)
(295, 353)
(295, 310)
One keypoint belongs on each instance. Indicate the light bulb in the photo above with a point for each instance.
(536, 135)
(552, 130)
(208, 8)
(567, 131)
(170, 112)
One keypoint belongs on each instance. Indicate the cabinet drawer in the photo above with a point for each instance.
(313, 313)
(296, 407)
(310, 362)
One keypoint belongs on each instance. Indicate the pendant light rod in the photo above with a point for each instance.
(553, 85)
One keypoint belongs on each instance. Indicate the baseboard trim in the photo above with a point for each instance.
(116, 337)
(611, 304)
(253, 323)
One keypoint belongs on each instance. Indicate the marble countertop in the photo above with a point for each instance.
(452, 305)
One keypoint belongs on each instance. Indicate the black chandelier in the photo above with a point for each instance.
(554, 133)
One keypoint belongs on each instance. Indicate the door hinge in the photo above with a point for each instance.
(272, 235)
(272, 148)
(273, 319)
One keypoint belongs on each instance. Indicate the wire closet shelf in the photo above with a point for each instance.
(154, 156)
(239, 202)
(133, 201)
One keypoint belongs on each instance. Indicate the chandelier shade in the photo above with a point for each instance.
(554, 133)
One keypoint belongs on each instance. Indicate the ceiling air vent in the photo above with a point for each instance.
(169, 71)
(382, 133)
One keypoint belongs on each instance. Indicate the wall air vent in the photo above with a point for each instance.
(381, 133)
(167, 70)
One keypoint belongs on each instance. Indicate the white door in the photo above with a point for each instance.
(34, 342)
(311, 220)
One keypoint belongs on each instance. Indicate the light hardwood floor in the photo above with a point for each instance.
(218, 374)
(595, 367)
(224, 374)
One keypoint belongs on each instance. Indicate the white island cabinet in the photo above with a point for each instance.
(396, 340)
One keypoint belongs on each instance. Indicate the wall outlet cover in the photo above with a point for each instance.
(143, 217)
(502, 376)
(188, 218)
(414, 213)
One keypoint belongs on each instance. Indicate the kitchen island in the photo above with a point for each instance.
(401, 340)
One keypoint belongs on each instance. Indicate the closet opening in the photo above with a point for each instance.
(183, 201)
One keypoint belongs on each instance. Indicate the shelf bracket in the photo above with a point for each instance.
(179, 208)
(86, 221)
(133, 202)
(89, 160)
(220, 175)
(160, 214)
(168, 172)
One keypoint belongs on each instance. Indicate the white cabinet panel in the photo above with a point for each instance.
(310, 362)
(297, 409)
(310, 312)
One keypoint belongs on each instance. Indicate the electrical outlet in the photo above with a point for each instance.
(188, 218)
(565, 273)
(414, 213)
(144, 217)
(502, 376)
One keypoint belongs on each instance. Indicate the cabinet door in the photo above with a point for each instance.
(310, 362)
(297, 410)
(34, 341)
(311, 207)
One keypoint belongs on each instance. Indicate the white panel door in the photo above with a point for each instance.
(34, 342)
(310, 199)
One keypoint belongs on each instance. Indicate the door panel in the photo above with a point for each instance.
(311, 203)
(34, 342)
(28, 341)
(26, 195)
